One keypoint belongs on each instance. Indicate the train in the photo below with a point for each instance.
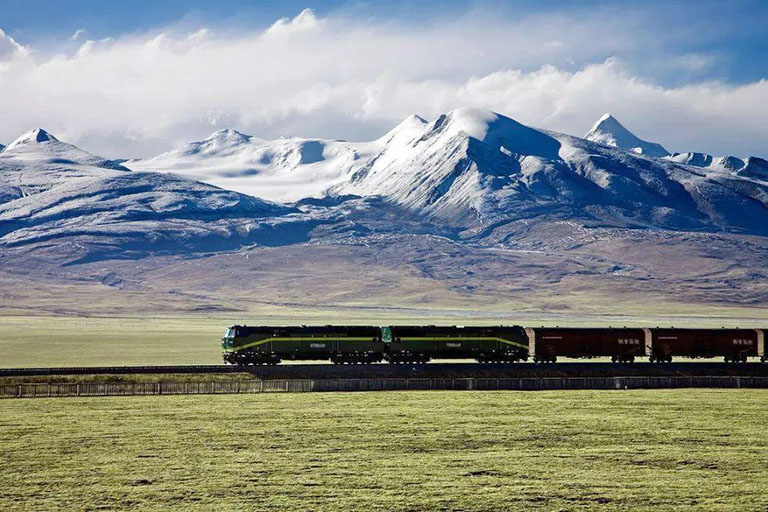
(411, 344)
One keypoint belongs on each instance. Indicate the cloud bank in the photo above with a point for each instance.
(339, 77)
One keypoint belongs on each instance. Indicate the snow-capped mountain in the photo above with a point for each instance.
(722, 163)
(39, 146)
(473, 168)
(610, 132)
(141, 212)
(37, 161)
(286, 169)
(755, 167)
(470, 207)
(51, 190)
(470, 170)
(476, 167)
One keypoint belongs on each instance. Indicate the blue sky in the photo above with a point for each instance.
(682, 73)
(733, 33)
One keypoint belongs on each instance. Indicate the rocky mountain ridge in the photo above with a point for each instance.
(465, 175)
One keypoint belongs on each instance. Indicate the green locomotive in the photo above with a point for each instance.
(246, 345)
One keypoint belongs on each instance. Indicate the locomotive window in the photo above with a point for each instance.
(230, 333)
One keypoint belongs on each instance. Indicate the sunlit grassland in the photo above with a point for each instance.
(79, 341)
(44, 341)
(649, 450)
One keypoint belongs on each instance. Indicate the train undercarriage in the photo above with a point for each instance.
(248, 358)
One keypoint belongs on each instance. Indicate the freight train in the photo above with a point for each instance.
(248, 345)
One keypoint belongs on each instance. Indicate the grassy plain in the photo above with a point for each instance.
(28, 341)
(45, 341)
(649, 450)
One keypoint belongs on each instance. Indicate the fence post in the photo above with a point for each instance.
(158, 391)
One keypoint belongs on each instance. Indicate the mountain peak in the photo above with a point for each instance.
(497, 131)
(411, 122)
(230, 135)
(609, 125)
(606, 118)
(755, 167)
(41, 135)
(409, 128)
(223, 139)
(220, 142)
(414, 119)
(36, 136)
(610, 132)
(473, 121)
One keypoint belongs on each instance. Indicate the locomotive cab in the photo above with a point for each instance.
(228, 345)
(227, 341)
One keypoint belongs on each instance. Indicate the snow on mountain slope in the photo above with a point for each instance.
(37, 161)
(457, 168)
(136, 212)
(755, 168)
(752, 168)
(610, 132)
(51, 190)
(477, 168)
(286, 169)
(40, 146)
(722, 163)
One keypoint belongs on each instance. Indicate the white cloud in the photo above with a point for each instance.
(78, 33)
(344, 78)
(305, 21)
(9, 49)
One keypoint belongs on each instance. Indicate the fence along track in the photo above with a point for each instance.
(39, 390)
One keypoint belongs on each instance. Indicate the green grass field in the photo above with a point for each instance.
(27, 341)
(649, 450)
(45, 341)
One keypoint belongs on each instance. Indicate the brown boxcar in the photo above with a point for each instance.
(546, 344)
(734, 345)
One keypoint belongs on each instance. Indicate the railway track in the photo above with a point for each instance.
(432, 370)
